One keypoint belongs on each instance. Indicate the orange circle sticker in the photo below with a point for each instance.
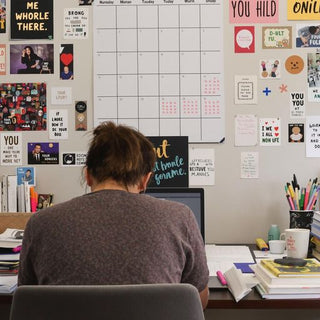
(294, 64)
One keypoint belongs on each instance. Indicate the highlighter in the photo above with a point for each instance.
(261, 244)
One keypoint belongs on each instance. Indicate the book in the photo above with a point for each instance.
(12, 193)
(271, 279)
(311, 269)
(4, 207)
(11, 238)
(316, 253)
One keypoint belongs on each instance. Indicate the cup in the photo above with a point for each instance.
(297, 242)
(277, 246)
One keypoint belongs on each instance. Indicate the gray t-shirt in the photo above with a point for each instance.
(113, 237)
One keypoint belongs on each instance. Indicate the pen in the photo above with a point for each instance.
(221, 278)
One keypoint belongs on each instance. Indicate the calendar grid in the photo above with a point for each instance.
(159, 68)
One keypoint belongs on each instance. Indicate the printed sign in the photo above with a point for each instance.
(297, 105)
(270, 132)
(171, 168)
(23, 106)
(2, 59)
(244, 40)
(11, 149)
(32, 19)
(295, 132)
(3, 16)
(43, 153)
(277, 37)
(74, 159)
(76, 23)
(313, 136)
(61, 95)
(58, 124)
(245, 89)
(253, 11)
(303, 10)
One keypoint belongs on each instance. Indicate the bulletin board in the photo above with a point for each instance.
(158, 66)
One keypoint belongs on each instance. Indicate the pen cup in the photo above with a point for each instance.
(302, 219)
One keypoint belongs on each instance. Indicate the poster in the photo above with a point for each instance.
(302, 10)
(81, 116)
(249, 165)
(3, 16)
(244, 41)
(246, 130)
(246, 89)
(61, 95)
(76, 23)
(295, 132)
(307, 35)
(270, 132)
(312, 137)
(43, 153)
(74, 159)
(11, 149)
(31, 58)
(297, 105)
(270, 69)
(313, 77)
(26, 174)
(253, 11)
(32, 19)
(66, 62)
(277, 37)
(58, 124)
(201, 167)
(23, 106)
(3, 59)
(171, 168)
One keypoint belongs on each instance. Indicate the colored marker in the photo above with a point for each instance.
(221, 278)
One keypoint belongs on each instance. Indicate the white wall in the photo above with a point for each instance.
(237, 210)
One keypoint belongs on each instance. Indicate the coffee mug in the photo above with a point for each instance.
(297, 242)
(277, 246)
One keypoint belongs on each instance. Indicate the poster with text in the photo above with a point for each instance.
(74, 159)
(297, 105)
(302, 10)
(171, 168)
(245, 89)
(253, 11)
(308, 35)
(32, 19)
(246, 130)
(312, 136)
(11, 149)
(26, 174)
(277, 37)
(76, 23)
(23, 107)
(61, 95)
(3, 59)
(31, 58)
(270, 132)
(66, 62)
(201, 167)
(58, 124)
(244, 41)
(3, 16)
(249, 165)
(313, 77)
(43, 153)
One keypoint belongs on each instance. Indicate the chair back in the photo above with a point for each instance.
(114, 302)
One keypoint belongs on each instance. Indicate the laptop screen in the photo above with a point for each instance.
(192, 197)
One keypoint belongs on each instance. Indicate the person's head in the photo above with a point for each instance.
(28, 173)
(65, 69)
(121, 154)
(29, 51)
(313, 29)
(37, 148)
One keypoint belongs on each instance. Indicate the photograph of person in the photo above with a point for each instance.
(35, 156)
(66, 62)
(28, 59)
(26, 175)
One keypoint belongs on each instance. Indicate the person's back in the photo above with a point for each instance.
(114, 235)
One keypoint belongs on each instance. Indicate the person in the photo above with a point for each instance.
(27, 176)
(31, 60)
(34, 157)
(305, 34)
(115, 234)
(66, 74)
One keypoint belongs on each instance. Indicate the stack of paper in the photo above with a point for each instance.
(288, 282)
(8, 284)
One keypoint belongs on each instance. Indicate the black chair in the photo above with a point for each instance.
(118, 302)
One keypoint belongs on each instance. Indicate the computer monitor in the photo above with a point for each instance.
(192, 197)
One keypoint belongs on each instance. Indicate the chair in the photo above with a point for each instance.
(114, 302)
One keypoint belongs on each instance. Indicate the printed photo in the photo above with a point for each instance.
(34, 58)
(43, 153)
(26, 175)
(66, 62)
(313, 70)
(308, 36)
(296, 132)
(3, 16)
(270, 69)
(23, 106)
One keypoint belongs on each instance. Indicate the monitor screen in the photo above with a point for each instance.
(192, 197)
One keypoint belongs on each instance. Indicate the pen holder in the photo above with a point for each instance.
(302, 219)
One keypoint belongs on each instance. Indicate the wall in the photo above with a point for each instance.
(237, 210)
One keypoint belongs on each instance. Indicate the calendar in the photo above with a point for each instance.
(158, 67)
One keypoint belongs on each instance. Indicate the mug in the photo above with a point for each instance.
(277, 246)
(297, 242)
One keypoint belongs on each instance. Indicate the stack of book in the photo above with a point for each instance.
(288, 282)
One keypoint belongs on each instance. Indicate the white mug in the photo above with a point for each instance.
(297, 242)
(277, 246)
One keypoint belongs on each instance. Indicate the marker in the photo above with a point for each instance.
(261, 244)
(221, 278)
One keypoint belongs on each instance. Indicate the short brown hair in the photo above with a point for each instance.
(120, 153)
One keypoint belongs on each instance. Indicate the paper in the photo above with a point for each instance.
(61, 95)
(249, 165)
(58, 124)
(76, 23)
(246, 130)
(246, 89)
(11, 149)
(312, 136)
(270, 132)
(297, 105)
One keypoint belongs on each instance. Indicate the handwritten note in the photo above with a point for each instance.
(246, 130)
(249, 165)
